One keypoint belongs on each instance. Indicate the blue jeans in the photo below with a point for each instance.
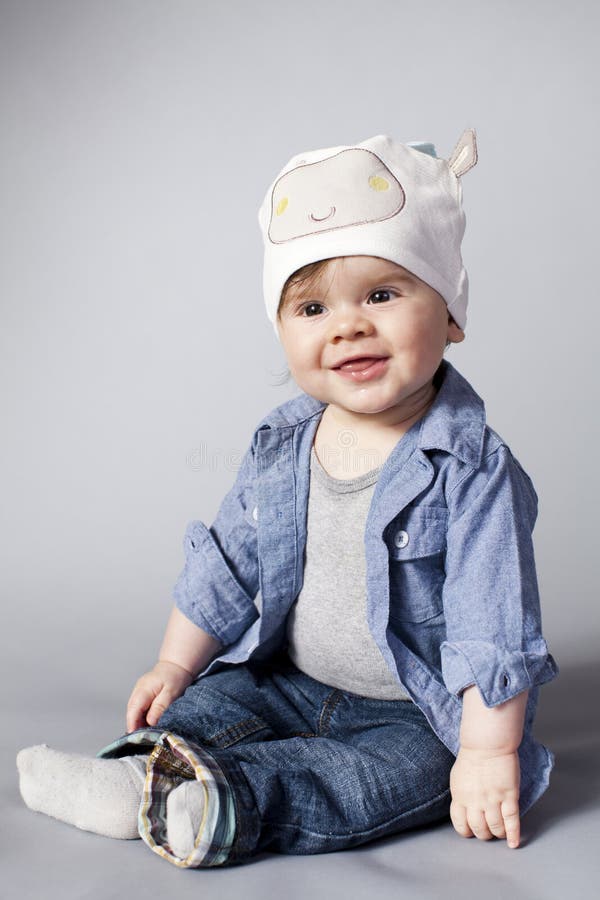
(312, 768)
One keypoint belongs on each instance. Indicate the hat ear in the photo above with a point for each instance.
(464, 155)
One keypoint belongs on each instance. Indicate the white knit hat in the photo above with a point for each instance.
(378, 198)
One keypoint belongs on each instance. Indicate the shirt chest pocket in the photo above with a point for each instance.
(416, 541)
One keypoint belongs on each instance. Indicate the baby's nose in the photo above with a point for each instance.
(350, 322)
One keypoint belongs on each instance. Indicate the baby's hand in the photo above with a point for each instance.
(154, 692)
(485, 795)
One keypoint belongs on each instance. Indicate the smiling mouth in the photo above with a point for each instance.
(359, 370)
(323, 218)
(359, 365)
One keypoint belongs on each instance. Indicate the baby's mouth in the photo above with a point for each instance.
(358, 365)
(361, 370)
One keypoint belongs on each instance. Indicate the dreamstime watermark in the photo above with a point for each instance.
(348, 456)
(344, 456)
(202, 458)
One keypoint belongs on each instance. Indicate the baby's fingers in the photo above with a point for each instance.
(478, 825)
(495, 822)
(458, 817)
(138, 703)
(160, 704)
(512, 823)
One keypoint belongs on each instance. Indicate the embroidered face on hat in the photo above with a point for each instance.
(378, 198)
(352, 187)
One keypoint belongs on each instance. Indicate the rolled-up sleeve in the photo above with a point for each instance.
(219, 582)
(490, 595)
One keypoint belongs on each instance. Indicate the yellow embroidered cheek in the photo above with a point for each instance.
(378, 183)
(281, 206)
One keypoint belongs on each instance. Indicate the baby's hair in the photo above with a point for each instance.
(306, 277)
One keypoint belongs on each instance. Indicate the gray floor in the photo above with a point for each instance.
(42, 858)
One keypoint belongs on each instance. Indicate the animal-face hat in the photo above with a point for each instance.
(377, 198)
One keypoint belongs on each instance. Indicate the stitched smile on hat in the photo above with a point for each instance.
(352, 187)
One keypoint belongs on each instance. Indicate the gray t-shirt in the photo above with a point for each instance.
(327, 630)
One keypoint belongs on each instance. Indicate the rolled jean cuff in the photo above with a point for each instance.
(172, 761)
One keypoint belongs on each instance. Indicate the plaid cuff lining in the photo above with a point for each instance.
(172, 761)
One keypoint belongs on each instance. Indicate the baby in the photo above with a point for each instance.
(355, 647)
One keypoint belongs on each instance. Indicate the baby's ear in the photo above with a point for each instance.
(464, 155)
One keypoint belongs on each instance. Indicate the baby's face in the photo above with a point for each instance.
(370, 309)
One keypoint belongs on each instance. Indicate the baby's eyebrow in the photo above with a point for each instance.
(388, 272)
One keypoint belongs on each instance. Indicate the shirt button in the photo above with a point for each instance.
(401, 539)
(255, 513)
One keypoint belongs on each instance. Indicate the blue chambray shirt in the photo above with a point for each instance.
(452, 595)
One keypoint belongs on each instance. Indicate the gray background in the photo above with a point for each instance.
(137, 141)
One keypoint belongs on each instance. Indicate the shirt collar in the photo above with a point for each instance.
(455, 421)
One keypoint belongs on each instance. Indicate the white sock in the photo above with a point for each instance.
(100, 795)
(185, 808)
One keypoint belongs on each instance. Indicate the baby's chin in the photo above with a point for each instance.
(366, 402)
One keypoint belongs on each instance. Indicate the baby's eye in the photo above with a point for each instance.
(311, 309)
(380, 296)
